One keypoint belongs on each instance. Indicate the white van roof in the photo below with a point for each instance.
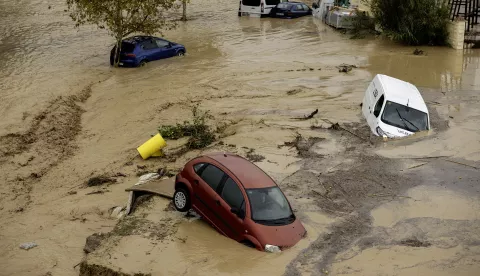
(401, 92)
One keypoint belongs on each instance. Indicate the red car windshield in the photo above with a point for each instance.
(269, 206)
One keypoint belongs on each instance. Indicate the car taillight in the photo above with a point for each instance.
(262, 7)
(130, 55)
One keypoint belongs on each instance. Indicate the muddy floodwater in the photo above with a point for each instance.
(371, 207)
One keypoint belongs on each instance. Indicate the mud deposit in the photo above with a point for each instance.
(371, 207)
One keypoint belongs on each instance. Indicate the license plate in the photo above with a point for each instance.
(281, 14)
(120, 63)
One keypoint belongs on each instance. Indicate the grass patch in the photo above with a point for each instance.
(200, 133)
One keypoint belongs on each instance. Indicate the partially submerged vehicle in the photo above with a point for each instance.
(290, 10)
(394, 108)
(239, 200)
(257, 8)
(335, 13)
(138, 50)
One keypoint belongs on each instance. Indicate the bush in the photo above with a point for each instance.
(362, 26)
(414, 22)
(199, 132)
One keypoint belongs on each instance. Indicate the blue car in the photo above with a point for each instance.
(138, 50)
(290, 10)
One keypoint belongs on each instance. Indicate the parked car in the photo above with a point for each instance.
(394, 108)
(138, 50)
(257, 8)
(290, 10)
(239, 200)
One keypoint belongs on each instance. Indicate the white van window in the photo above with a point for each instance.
(404, 117)
(378, 106)
(254, 3)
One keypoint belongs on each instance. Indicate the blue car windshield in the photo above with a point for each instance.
(269, 205)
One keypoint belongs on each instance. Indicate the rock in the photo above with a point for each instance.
(93, 242)
(28, 245)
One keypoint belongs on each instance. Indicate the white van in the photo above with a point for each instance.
(257, 8)
(394, 108)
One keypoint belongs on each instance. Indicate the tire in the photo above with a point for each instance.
(248, 243)
(181, 200)
(181, 53)
(142, 63)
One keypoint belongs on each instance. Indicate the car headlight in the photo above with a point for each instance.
(383, 133)
(272, 248)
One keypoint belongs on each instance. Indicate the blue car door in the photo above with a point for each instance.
(150, 50)
(166, 49)
(298, 10)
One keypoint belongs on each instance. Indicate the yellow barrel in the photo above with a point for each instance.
(152, 147)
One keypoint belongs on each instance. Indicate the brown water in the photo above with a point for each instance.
(239, 68)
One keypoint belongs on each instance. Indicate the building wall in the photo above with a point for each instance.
(456, 31)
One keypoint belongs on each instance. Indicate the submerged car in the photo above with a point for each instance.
(257, 8)
(290, 10)
(138, 50)
(394, 108)
(239, 200)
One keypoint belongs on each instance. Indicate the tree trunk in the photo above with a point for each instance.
(118, 49)
(184, 5)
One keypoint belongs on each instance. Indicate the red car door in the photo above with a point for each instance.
(205, 184)
(232, 208)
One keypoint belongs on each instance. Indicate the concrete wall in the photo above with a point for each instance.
(456, 31)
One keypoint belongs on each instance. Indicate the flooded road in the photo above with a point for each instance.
(66, 116)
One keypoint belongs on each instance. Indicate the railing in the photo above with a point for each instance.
(467, 9)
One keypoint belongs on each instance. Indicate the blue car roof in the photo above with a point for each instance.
(291, 3)
(138, 38)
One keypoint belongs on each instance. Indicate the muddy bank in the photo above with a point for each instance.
(26, 157)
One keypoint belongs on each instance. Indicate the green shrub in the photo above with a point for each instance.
(197, 129)
(362, 26)
(414, 22)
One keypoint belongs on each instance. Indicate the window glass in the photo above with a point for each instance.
(298, 8)
(282, 6)
(212, 175)
(255, 3)
(405, 117)
(149, 45)
(127, 47)
(305, 7)
(198, 167)
(162, 43)
(269, 204)
(378, 106)
(232, 194)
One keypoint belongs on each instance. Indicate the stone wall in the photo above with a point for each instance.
(456, 31)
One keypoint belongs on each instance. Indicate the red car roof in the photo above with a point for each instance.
(248, 173)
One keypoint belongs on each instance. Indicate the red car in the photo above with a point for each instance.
(239, 200)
